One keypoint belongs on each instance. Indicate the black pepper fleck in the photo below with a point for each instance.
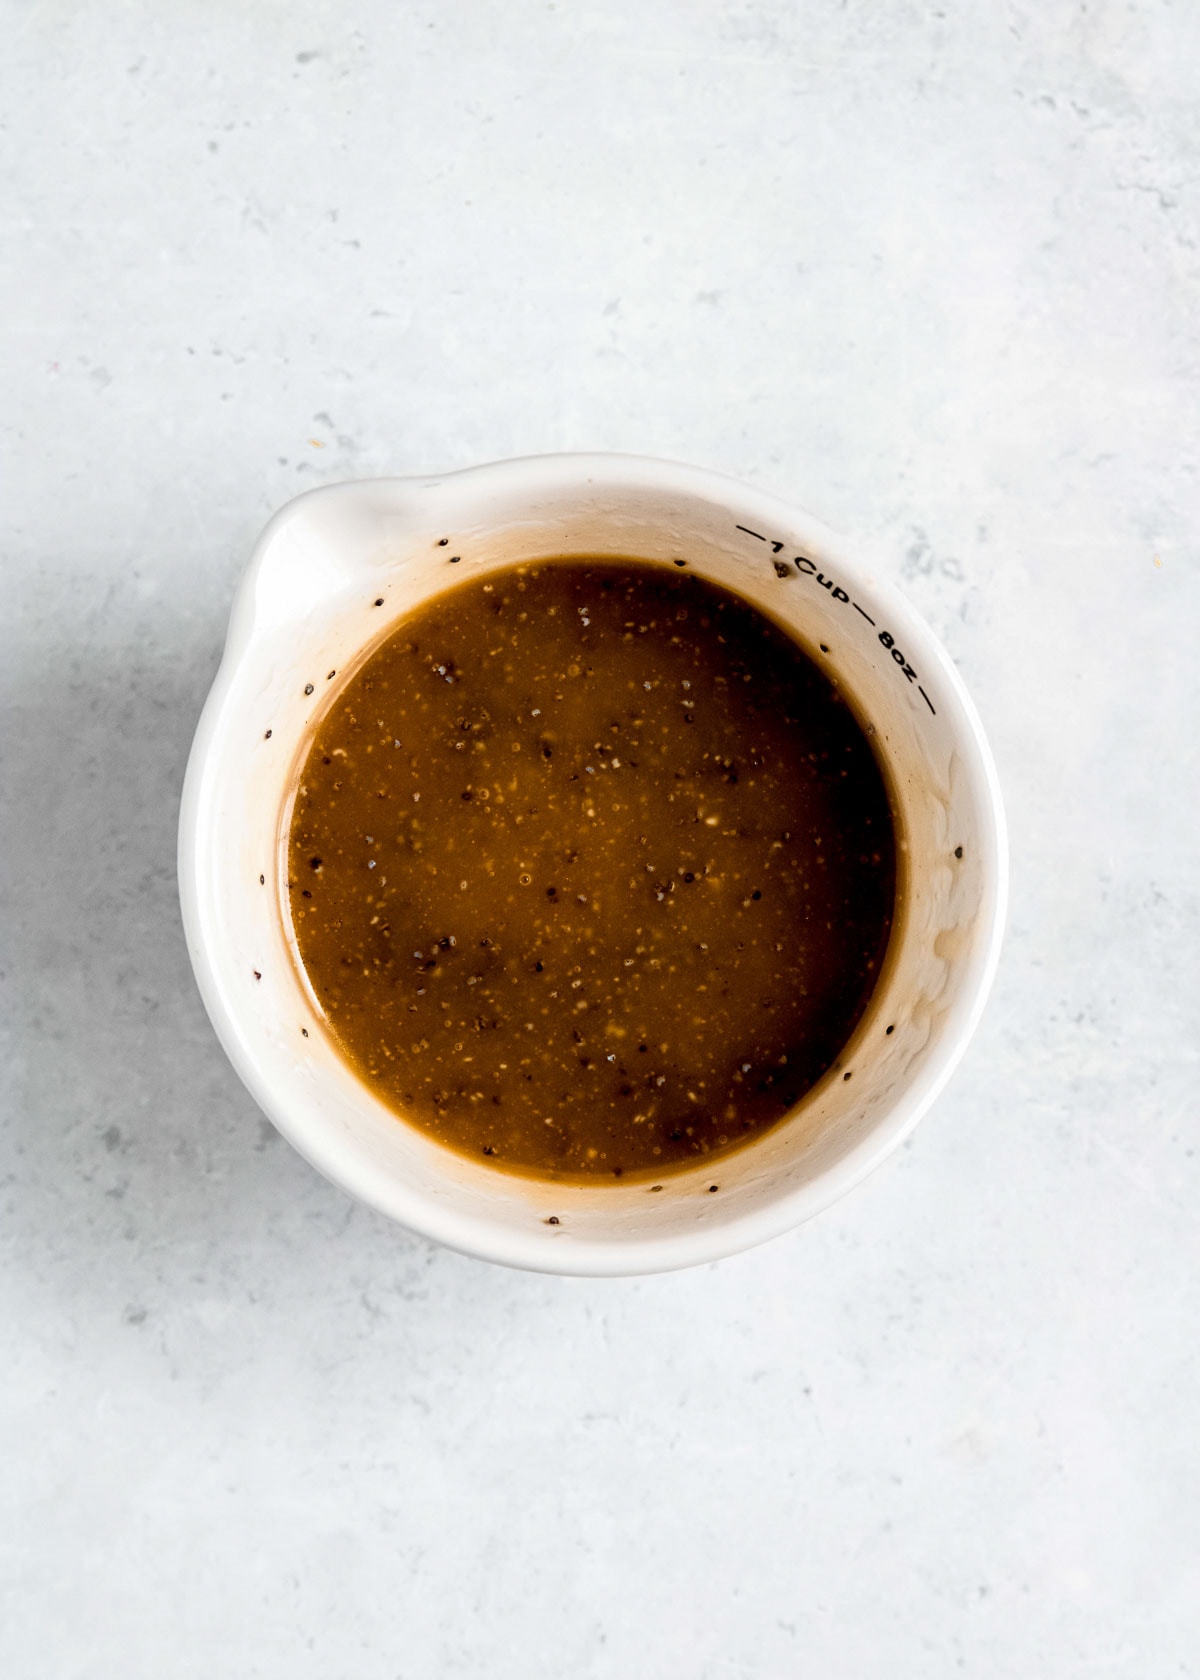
(958, 851)
(308, 688)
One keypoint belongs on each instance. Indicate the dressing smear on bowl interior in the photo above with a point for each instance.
(591, 870)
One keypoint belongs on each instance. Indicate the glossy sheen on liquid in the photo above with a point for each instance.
(591, 869)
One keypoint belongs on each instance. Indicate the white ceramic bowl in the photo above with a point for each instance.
(331, 574)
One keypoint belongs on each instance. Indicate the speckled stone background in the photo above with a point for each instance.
(934, 272)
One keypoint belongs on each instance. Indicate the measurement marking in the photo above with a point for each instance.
(807, 568)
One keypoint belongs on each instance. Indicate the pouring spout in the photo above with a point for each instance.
(326, 542)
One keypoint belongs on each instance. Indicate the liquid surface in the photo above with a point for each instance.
(591, 869)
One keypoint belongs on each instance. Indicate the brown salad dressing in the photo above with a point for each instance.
(591, 869)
